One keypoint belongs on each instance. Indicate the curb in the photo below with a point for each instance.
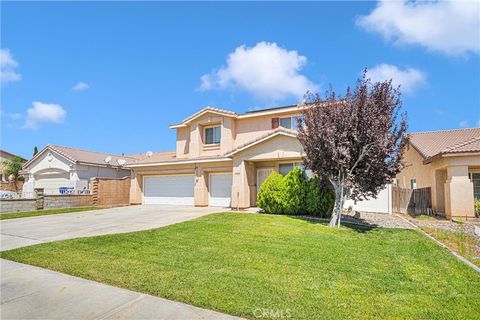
(459, 257)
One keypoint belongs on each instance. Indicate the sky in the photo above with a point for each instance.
(112, 76)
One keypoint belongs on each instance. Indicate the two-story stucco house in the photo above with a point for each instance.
(447, 161)
(221, 158)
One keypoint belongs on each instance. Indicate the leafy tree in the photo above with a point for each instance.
(356, 142)
(12, 167)
(35, 150)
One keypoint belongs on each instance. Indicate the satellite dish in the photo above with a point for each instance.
(108, 159)
(121, 161)
(149, 153)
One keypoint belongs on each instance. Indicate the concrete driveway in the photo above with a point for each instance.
(22, 232)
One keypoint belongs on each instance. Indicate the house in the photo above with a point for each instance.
(448, 162)
(60, 169)
(5, 155)
(221, 158)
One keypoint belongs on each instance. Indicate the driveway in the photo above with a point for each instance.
(22, 232)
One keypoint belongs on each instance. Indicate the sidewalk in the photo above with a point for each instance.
(29, 292)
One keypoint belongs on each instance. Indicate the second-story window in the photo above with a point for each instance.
(290, 122)
(212, 135)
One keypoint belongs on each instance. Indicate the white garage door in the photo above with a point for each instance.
(52, 182)
(220, 189)
(168, 189)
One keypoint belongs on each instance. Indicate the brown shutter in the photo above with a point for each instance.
(275, 123)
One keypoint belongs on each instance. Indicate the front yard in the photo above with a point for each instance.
(263, 266)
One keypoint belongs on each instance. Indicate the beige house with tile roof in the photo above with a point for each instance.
(57, 168)
(5, 155)
(448, 162)
(221, 158)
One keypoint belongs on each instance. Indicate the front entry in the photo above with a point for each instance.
(262, 175)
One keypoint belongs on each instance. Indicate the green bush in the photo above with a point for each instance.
(268, 197)
(295, 194)
(292, 192)
(477, 207)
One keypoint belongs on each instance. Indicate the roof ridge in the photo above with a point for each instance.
(78, 149)
(443, 130)
(460, 144)
(208, 108)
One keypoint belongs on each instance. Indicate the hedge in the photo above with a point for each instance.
(294, 194)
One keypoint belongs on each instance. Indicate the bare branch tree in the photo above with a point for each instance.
(357, 141)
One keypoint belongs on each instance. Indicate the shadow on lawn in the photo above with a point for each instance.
(356, 224)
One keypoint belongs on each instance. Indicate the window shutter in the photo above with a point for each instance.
(275, 123)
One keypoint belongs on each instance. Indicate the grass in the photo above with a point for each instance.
(14, 215)
(463, 243)
(263, 266)
(424, 217)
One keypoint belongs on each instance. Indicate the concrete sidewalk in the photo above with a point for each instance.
(29, 292)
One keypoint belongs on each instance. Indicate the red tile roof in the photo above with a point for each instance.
(434, 143)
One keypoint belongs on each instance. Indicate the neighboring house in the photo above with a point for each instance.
(221, 158)
(56, 167)
(448, 162)
(5, 155)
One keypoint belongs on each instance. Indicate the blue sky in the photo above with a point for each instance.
(111, 77)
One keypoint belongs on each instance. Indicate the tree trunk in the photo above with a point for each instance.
(338, 207)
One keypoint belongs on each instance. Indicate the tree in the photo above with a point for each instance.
(35, 150)
(356, 142)
(12, 167)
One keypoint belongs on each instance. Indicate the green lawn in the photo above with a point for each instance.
(264, 265)
(15, 215)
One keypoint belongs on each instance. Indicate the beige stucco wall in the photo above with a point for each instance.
(234, 133)
(447, 176)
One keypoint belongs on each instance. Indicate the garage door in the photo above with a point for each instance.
(52, 182)
(168, 189)
(220, 189)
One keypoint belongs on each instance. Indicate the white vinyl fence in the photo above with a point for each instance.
(382, 204)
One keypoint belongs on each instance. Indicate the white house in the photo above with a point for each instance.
(60, 169)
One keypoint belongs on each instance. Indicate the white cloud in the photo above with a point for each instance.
(451, 27)
(44, 113)
(408, 78)
(7, 67)
(463, 124)
(11, 115)
(80, 86)
(266, 70)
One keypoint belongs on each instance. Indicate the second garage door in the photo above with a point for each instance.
(220, 189)
(169, 189)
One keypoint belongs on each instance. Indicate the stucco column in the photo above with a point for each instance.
(458, 193)
(136, 188)
(200, 190)
(240, 187)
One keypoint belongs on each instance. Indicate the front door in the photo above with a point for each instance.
(262, 175)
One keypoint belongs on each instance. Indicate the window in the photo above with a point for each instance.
(212, 135)
(285, 168)
(290, 122)
(413, 183)
(475, 177)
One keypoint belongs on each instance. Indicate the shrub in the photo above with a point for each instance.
(268, 197)
(295, 194)
(477, 207)
(318, 200)
(292, 193)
